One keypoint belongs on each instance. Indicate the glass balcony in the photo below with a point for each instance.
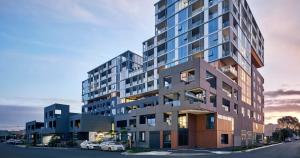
(230, 71)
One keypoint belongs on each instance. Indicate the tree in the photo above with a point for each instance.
(288, 122)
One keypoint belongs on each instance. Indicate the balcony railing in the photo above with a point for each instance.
(198, 10)
(230, 71)
(173, 103)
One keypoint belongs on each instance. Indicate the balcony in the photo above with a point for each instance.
(230, 71)
(173, 103)
(159, 20)
(162, 63)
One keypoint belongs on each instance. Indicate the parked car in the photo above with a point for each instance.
(89, 145)
(297, 138)
(14, 141)
(112, 146)
(288, 140)
(105, 143)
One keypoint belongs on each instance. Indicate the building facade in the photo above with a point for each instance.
(197, 84)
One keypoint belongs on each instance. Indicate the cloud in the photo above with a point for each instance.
(283, 108)
(281, 92)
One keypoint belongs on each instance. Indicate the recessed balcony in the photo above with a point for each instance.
(230, 71)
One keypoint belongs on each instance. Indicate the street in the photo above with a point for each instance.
(286, 150)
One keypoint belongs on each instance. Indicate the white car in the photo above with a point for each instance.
(14, 141)
(89, 145)
(112, 146)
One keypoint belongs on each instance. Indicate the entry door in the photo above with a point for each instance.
(154, 139)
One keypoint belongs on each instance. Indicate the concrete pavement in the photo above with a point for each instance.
(285, 150)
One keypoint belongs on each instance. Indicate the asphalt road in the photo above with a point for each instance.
(286, 150)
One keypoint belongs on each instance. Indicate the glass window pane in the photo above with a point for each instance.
(182, 16)
(213, 40)
(183, 27)
(213, 26)
(183, 39)
(170, 56)
(171, 33)
(213, 54)
(171, 22)
(171, 10)
(171, 45)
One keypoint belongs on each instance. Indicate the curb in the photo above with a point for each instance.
(162, 153)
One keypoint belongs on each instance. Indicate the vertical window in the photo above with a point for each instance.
(213, 40)
(171, 45)
(182, 121)
(171, 33)
(171, 22)
(213, 26)
(224, 138)
(142, 137)
(171, 10)
(183, 39)
(171, 57)
(213, 54)
(183, 27)
(182, 54)
(182, 16)
(210, 121)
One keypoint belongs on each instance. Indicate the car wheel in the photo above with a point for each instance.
(109, 149)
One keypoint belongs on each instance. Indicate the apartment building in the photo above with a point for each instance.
(197, 84)
(59, 123)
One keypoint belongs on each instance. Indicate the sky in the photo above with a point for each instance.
(46, 48)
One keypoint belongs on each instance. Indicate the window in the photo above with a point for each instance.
(213, 26)
(236, 108)
(168, 82)
(71, 124)
(187, 76)
(183, 39)
(211, 79)
(210, 121)
(224, 138)
(183, 27)
(171, 22)
(227, 89)
(77, 123)
(168, 118)
(142, 136)
(151, 120)
(182, 121)
(213, 54)
(171, 33)
(171, 10)
(171, 57)
(132, 123)
(143, 119)
(183, 52)
(213, 40)
(171, 45)
(226, 104)
(213, 99)
(122, 123)
(182, 16)
(54, 124)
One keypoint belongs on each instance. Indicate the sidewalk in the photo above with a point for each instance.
(195, 152)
